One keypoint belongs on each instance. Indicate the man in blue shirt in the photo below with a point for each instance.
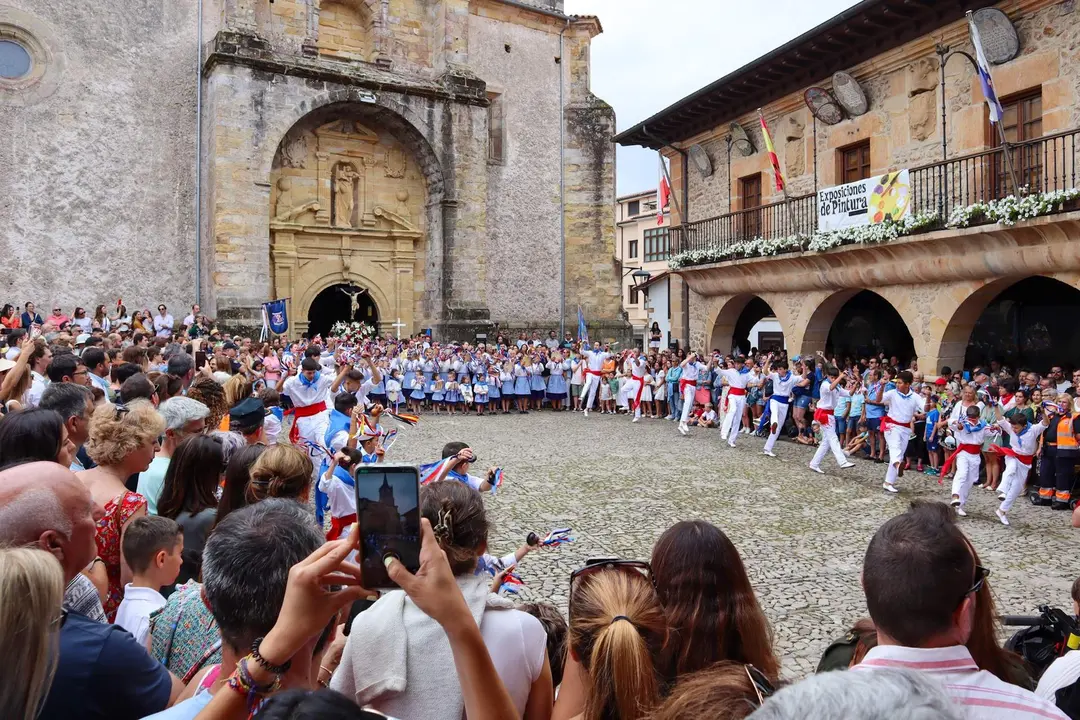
(102, 672)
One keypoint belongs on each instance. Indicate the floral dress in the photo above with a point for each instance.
(109, 528)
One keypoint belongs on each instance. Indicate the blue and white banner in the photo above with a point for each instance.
(278, 317)
(582, 331)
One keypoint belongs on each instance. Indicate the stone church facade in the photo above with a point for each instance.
(406, 152)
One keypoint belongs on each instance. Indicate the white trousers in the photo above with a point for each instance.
(313, 429)
(777, 416)
(733, 418)
(829, 441)
(634, 386)
(967, 472)
(1012, 481)
(687, 402)
(588, 390)
(896, 438)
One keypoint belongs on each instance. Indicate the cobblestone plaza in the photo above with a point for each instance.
(801, 535)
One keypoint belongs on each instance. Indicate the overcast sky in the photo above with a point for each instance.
(654, 52)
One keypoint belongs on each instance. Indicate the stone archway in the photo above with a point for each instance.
(344, 302)
(734, 321)
(859, 322)
(350, 204)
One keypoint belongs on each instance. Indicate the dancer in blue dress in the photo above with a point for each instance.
(521, 383)
(556, 386)
(494, 391)
(428, 368)
(438, 395)
(453, 393)
(416, 392)
(506, 385)
(481, 392)
(537, 385)
(409, 368)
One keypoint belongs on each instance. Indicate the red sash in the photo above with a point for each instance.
(302, 411)
(887, 421)
(684, 383)
(1025, 459)
(597, 373)
(736, 391)
(640, 388)
(962, 447)
(338, 525)
(822, 415)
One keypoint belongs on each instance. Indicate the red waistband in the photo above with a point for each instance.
(597, 373)
(886, 421)
(683, 383)
(1009, 452)
(822, 415)
(973, 448)
(736, 391)
(308, 410)
(338, 525)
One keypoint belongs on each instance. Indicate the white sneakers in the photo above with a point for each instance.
(684, 429)
(890, 487)
(770, 453)
(847, 465)
(817, 470)
(731, 445)
(586, 412)
(636, 418)
(1001, 516)
(961, 513)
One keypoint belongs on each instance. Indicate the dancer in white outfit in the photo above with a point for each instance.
(783, 382)
(1023, 441)
(897, 425)
(737, 379)
(636, 386)
(691, 368)
(831, 389)
(969, 434)
(595, 359)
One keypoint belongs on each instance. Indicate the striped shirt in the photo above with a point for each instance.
(982, 694)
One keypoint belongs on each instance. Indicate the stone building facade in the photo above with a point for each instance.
(938, 282)
(408, 151)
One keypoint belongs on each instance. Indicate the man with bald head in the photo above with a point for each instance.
(102, 672)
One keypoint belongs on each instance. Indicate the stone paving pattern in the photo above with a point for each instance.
(801, 535)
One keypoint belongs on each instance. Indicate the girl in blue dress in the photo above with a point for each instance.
(506, 385)
(428, 369)
(521, 384)
(481, 392)
(438, 395)
(556, 385)
(453, 393)
(537, 386)
(377, 394)
(409, 367)
(494, 391)
(416, 392)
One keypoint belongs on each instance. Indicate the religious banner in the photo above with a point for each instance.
(277, 316)
(864, 202)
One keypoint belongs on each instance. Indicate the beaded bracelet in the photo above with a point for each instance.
(243, 683)
(274, 669)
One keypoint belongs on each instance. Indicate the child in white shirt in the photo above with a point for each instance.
(152, 548)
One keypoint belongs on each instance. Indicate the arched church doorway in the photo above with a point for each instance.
(341, 303)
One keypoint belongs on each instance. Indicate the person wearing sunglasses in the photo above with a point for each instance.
(163, 323)
(617, 633)
(921, 581)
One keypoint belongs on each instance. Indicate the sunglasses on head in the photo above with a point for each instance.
(981, 574)
(595, 565)
(762, 687)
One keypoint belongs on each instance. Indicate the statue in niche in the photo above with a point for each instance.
(346, 184)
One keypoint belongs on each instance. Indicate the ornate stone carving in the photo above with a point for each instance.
(294, 151)
(346, 182)
(395, 163)
(393, 218)
(287, 209)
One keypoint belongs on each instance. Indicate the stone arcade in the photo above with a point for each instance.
(395, 161)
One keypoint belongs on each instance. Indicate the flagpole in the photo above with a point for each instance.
(674, 197)
(990, 93)
(783, 186)
(1006, 148)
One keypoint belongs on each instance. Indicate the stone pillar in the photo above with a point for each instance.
(241, 16)
(451, 36)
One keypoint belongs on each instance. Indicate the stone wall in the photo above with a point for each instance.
(97, 162)
(904, 119)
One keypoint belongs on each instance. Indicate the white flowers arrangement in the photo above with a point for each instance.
(1011, 209)
(351, 332)
(1006, 211)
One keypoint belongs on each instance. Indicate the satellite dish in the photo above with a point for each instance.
(849, 94)
(701, 161)
(740, 140)
(998, 35)
(823, 105)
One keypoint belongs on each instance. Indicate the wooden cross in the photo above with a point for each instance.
(398, 325)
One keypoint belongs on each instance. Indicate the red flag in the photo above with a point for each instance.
(772, 154)
(665, 199)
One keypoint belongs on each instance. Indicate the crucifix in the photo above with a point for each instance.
(353, 300)
(398, 325)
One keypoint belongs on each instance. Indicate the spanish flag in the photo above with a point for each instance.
(772, 153)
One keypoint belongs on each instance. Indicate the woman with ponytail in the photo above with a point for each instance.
(398, 660)
(617, 633)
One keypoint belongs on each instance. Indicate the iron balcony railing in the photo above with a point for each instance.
(1041, 165)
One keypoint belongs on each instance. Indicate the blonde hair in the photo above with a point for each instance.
(237, 388)
(283, 471)
(31, 597)
(618, 630)
(723, 691)
(115, 434)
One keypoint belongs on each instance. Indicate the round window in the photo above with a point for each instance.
(15, 61)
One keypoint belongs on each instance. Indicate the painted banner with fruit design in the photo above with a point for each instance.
(864, 202)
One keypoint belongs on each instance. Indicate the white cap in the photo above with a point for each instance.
(81, 339)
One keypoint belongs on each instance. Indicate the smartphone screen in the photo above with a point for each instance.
(200, 359)
(388, 510)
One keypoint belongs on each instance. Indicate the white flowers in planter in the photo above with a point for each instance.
(1006, 211)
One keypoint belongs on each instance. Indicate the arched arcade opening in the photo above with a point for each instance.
(866, 324)
(344, 302)
(746, 322)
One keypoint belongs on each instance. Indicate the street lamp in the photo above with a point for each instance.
(641, 276)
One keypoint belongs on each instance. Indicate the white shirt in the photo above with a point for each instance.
(596, 359)
(189, 320)
(1062, 672)
(1063, 386)
(827, 397)
(84, 323)
(37, 387)
(983, 695)
(691, 371)
(902, 408)
(959, 412)
(1026, 443)
(783, 386)
(966, 437)
(735, 378)
(303, 395)
(163, 324)
(134, 612)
